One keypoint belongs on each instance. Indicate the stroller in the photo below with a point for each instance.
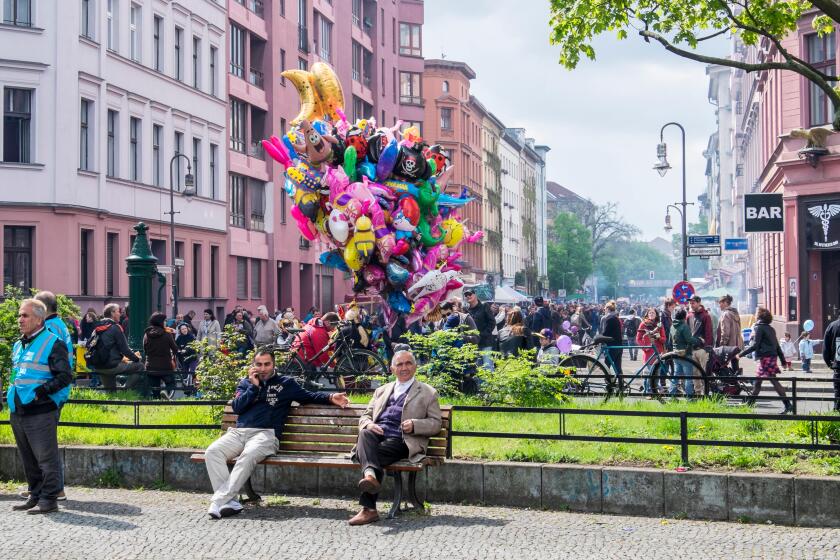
(723, 373)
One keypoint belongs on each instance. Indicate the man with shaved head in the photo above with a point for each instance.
(398, 422)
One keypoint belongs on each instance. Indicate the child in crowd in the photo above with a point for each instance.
(789, 350)
(806, 350)
(548, 353)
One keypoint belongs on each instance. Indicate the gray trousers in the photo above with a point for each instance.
(109, 376)
(36, 437)
(250, 445)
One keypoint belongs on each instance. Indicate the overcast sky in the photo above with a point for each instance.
(601, 120)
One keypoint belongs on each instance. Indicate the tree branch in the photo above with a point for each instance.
(712, 36)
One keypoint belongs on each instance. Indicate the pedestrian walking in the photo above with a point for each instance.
(161, 356)
(766, 346)
(806, 350)
(789, 350)
(831, 356)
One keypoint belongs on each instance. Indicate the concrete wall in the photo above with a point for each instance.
(744, 497)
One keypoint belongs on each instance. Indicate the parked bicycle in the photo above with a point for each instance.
(346, 368)
(594, 369)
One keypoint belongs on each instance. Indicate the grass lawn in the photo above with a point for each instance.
(712, 458)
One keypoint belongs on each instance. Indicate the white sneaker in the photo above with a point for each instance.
(214, 511)
(231, 508)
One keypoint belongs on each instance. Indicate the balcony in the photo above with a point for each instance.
(411, 100)
(303, 244)
(255, 78)
(253, 6)
(257, 221)
(303, 39)
(255, 150)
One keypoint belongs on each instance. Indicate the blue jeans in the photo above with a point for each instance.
(806, 365)
(487, 357)
(682, 369)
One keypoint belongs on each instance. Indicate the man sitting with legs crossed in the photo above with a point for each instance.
(397, 424)
(262, 401)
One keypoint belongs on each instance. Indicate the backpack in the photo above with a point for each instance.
(96, 355)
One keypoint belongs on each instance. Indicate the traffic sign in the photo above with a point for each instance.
(704, 251)
(164, 268)
(683, 291)
(704, 239)
(179, 262)
(735, 244)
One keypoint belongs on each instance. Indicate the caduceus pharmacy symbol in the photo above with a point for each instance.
(825, 212)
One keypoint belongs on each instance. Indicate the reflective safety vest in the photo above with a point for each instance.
(59, 329)
(30, 369)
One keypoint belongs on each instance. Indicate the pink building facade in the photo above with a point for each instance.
(795, 273)
(372, 46)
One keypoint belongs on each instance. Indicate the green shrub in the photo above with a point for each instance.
(221, 368)
(517, 380)
(443, 359)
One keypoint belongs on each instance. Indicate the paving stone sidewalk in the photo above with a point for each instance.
(118, 524)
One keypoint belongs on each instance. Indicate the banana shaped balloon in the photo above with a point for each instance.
(320, 92)
(329, 89)
(310, 101)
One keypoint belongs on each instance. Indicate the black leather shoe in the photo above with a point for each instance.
(43, 508)
(28, 504)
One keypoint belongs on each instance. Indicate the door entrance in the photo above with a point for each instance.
(830, 286)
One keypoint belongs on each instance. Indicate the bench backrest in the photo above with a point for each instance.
(322, 429)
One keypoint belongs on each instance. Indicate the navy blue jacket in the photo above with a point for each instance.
(267, 406)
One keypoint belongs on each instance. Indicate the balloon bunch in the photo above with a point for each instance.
(375, 196)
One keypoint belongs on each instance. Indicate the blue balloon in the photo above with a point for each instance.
(387, 160)
(396, 274)
(398, 302)
(367, 169)
(289, 187)
(808, 325)
(333, 259)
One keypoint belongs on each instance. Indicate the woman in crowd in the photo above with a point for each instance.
(683, 343)
(514, 336)
(611, 327)
(187, 356)
(209, 328)
(769, 353)
(161, 354)
(88, 323)
(651, 333)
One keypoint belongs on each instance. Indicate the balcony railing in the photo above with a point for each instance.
(255, 78)
(237, 220)
(411, 100)
(257, 222)
(303, 39)
(255, 150)
(303, 244)
(254, 6)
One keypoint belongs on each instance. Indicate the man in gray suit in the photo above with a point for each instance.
(398, 422)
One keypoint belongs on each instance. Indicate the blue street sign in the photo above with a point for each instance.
(735, 244)
(704, 239)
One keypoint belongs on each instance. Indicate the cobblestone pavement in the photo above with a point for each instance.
(117, 524)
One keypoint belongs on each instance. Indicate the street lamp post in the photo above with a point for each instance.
(662, 167)
(189, 191)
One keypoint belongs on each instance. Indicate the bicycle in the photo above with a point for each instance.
(346, 368)
(588, 369)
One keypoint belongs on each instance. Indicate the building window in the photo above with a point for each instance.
(17, 12)
(214, 271)
(84, 262)
(17, 257)
(179, 53)
(214, 81)
(158, 43)
(112, 243)
(237, 201)
(357, 13)
(84, 135)
(113, 26)
(257, 192)
(179, 149)
(197, 164)
(17, 122)
(446, 118)
(134, 31)
(157, 165)
(820, 53)
(282, 65)
(214, 179)
(410, 89)
(196, 258)
(237, 125)
(445, 86)
(134, 161)
(326, 38)
(367, 68)
(196, 62)
(256, 279)
(357, 62)
(241, 277)
(282, 11)
(410, 39)
(302, 64)
(237, 51)
(303, 35)
(87, 19)
(113, 137)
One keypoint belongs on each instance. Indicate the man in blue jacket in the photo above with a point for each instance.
(262, 401)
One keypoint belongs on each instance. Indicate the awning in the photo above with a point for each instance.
(508, 295)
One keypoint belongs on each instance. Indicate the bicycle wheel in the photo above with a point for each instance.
(295, 368)
(355, 369)
(664, 367)
(592, 375)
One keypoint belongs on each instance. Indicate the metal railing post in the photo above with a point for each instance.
(793, 395)
(684, 438)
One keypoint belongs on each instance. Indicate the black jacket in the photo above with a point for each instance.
(113, 339)
(611, 327)
(485, 322)
(160, 349)
(832, 333)
(764, 343)
(512, 344)
(539, 320)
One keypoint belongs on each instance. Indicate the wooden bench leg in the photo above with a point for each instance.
(398, 487)
(412, 491)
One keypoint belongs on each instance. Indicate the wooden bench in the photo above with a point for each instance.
(319, 436)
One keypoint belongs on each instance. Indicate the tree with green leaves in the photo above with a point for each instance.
(681, 25)
(569, 254)
(633, 260)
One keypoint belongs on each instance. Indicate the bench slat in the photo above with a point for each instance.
(320, 420)
(340, 438)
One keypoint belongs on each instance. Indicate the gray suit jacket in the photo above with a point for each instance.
(421, 406)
